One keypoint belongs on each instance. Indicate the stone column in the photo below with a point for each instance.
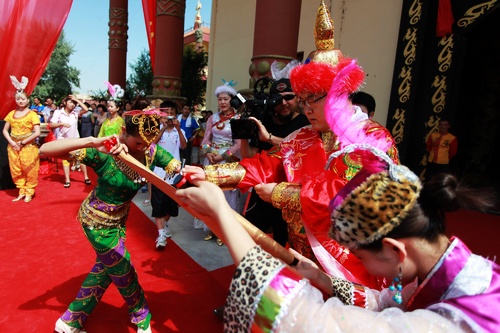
(118, 27)
(276, 35)
(169, 49)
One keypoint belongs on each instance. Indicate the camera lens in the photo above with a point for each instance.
(275, 100)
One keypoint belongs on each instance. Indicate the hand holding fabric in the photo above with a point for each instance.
(265, 191)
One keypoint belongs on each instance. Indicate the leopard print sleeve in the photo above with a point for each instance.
(255, 295)
(348, 293)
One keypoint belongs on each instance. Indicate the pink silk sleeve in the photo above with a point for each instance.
(235, 147)
(207, 138)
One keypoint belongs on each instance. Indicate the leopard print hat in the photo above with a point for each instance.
(376, 206)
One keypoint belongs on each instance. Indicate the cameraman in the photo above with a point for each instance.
(285, 119)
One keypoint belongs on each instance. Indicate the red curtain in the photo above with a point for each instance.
(149, 9)
(29, 30)
(445, 18)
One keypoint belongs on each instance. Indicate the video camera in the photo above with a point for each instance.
(262, 103)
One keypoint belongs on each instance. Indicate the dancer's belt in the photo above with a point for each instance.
(97, 214)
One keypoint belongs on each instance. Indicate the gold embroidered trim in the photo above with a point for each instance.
(20, 137)
(80, 154)
(97, 219)
(286, 196)
(330, 141)
(353, 166)
(227, 176)
(275, 151)
(172, 167)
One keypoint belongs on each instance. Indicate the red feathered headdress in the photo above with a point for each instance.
(317, 78)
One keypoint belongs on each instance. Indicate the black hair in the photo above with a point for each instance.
(362, 98)
(168, 104)
(131, 127)
(101, 106)
(426, 219)
(117, 102)
(140, 103)
(66, 99)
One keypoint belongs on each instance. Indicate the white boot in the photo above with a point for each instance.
(62, 327)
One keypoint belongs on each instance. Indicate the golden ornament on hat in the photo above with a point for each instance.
(324, 38)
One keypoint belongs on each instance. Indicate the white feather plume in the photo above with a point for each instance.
(283, 73)
(20, 86)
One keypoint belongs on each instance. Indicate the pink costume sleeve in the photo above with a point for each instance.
(235, 147)
(280, 300)
(207, 138)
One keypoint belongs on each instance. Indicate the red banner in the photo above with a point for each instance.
(149, 8)
(445, 18)
(29, 30)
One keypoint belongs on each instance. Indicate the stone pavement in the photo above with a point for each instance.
(206, 253)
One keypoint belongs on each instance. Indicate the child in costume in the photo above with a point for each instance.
(104, 212)
(114, 122)
(22, 127)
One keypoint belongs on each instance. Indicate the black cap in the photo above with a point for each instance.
(281, 86)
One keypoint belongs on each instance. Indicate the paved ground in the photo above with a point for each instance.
(206, 253)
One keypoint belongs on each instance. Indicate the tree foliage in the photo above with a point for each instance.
(193, 76)
(194, 84)
(59, 77)
(99, 94)
(141, 78)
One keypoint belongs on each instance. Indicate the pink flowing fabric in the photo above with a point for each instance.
(29, 30)
(330, 265)
(149, 9)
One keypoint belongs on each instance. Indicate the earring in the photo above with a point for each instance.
(397, 287)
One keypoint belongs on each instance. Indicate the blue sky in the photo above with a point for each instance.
(87, 29)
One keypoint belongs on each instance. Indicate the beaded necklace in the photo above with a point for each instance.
(129, 172)
(223, 117)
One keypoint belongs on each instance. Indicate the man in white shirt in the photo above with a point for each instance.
(65, 121)
(171, 138)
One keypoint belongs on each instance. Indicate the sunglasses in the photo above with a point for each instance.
(288, 97)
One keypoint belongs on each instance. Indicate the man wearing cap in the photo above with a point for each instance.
(285, 119)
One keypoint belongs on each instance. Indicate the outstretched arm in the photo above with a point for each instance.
(61, 148)
(208, 201)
